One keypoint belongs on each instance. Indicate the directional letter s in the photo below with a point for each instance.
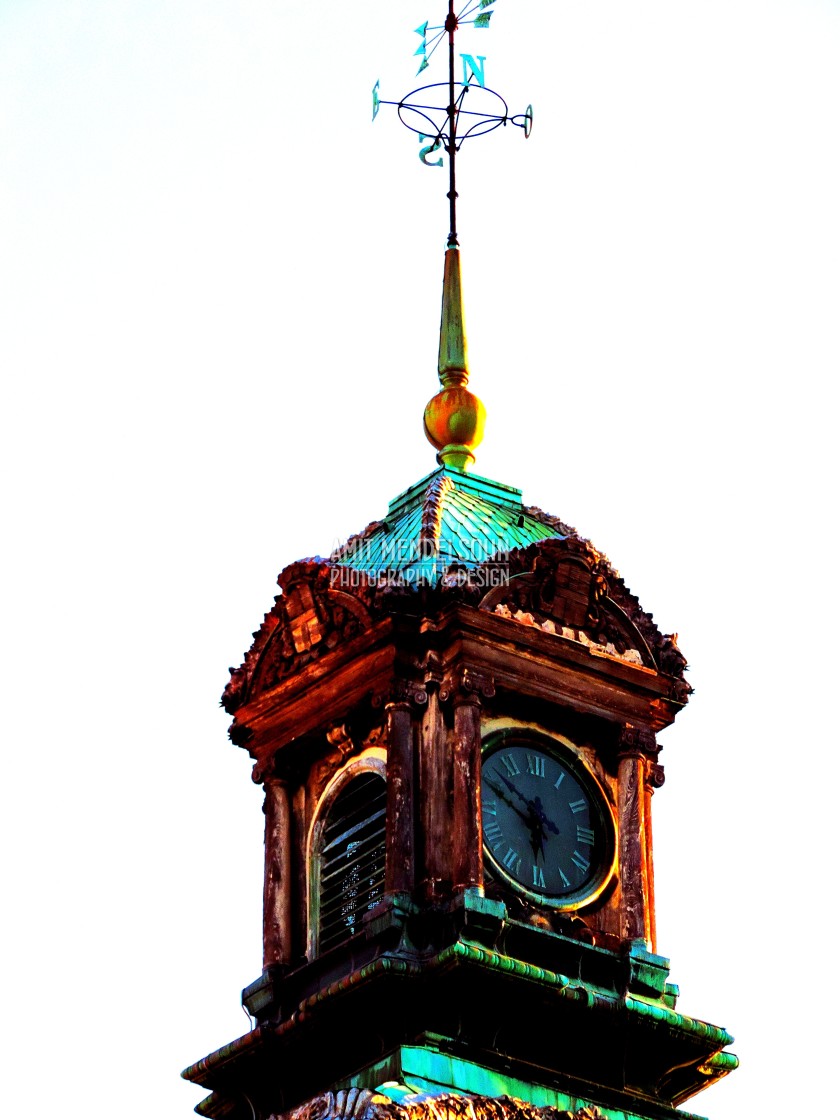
(428, 150)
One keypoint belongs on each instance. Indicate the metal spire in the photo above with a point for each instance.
(454, 417)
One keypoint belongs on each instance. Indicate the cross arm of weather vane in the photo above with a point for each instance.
(428, 116)
(434, 112)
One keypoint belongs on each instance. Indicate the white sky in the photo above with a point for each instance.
(219, 290)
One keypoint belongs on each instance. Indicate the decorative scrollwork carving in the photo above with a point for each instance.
(560, 580)
(656, 776)
(564, 586)
(671, 659)
(467, 684)
(341, 739)
(364, 1104)
(637, 741)
(407, 692)
(309, 619)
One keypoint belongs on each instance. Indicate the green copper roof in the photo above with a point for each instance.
(447, 518)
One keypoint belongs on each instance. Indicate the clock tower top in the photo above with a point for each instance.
(454, 719)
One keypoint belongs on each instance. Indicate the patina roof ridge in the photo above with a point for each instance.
(432, 516)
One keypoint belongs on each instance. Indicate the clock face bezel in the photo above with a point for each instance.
(600, 817)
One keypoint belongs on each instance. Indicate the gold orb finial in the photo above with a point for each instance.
(454, 417)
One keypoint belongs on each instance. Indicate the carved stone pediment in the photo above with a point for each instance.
(565, 587)
(567, 583)
(310, 618)
(312, 623)
(561, 582)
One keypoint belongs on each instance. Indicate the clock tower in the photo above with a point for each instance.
(454, 719)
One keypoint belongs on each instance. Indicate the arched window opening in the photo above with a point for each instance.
(352, 861)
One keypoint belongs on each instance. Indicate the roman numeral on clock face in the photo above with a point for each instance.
(509, 763)
(580, 863)
(512, 860)
(536, 765)
(577, 806)
(493, 834)
(538, 877)
(585, 835)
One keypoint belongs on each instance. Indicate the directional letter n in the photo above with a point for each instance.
(473, 68)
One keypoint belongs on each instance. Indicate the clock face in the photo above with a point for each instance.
(547, 830)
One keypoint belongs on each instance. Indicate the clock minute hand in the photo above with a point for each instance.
(534, 806)
(504, 797)
(513, 789)
(535, 817)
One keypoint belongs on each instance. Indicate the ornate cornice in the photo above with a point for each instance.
(561, 586)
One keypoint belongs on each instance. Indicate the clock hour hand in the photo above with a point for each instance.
(538, 839)
(540, 812)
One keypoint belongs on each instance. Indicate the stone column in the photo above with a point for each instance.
(401, 806)
(635, 867)
(464, 691)
(655, 780)
(277, 885)
(435, 800)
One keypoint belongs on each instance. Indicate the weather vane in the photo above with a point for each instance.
(447, 118)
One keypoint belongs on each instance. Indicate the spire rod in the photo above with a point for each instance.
(454, 417)
(451, 26)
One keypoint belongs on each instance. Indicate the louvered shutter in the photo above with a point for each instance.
(352, 863)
